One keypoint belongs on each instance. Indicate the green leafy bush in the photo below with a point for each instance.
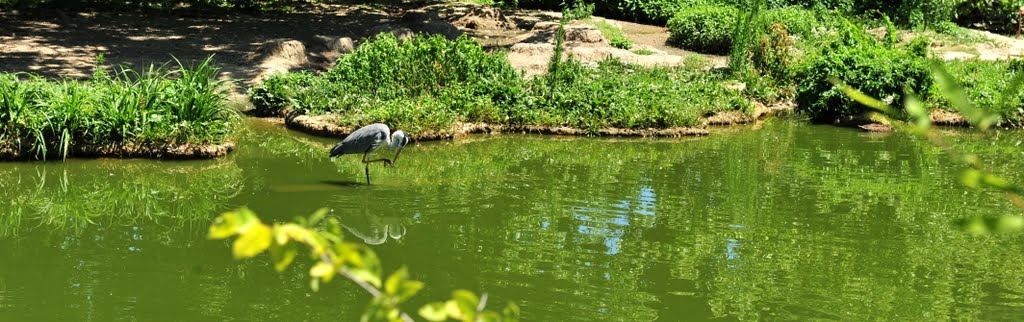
(704, 28)
(865, 64)
(985, 83)
(710, 29)
(621, 42)
(388, 68)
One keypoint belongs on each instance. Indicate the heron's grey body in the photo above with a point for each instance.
(367, 139)
(363, 140)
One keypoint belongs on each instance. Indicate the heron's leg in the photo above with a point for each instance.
(367, 155)
(367, 168)
(386, 161)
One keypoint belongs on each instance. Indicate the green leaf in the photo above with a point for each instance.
(409, 288)
(365, 276)
(399, 285)
(283, 255)
(322, 270)
(489, 316)
(317, 216)
(394, 282)
(286, 232)
(434, 311)
(231, 223)
(253, 241)
(915, 107)
(956, 96)
(334, 227)
(862, 98)
(975, 178)
(466, 303)
(453, 310)
(511, 313)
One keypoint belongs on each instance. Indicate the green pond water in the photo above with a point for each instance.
(786, 221)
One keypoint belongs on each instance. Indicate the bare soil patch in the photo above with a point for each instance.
(994, 47)
(250, 46)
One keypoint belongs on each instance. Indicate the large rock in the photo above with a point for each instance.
(288, 51)
(430, 22)
(325, 50)
(584, 35)
(402, 33)
(484, 18)
(342, 45)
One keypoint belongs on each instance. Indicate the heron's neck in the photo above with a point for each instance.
(393, 142)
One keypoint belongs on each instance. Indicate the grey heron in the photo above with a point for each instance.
(367, 139)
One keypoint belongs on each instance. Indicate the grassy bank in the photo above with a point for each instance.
(431, 84)
(124, 113)
(792, 51)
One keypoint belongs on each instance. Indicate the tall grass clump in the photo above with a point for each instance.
(620, 95)
(185, 105)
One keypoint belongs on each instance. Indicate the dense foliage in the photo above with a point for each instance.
(704, 28)
(865, 63)
(432, 83)
(911, 13)
(185, 105)
(986, 84)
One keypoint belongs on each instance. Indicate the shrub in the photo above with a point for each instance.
(771, 55)
(865, 64)
(621, 42)
(712, 30)
(985, 83)
(704, 28)
(388, 68)
(797, 20)
(580, 10)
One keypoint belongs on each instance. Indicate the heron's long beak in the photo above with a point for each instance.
(396, 156)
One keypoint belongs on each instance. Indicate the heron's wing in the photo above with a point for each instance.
(365, 139)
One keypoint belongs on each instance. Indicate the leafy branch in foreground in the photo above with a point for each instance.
(975, 176)
(356, 262)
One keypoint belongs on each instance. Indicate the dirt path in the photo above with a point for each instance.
(248, 46)
(993, 47)
(65, 44)
(657, 37)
